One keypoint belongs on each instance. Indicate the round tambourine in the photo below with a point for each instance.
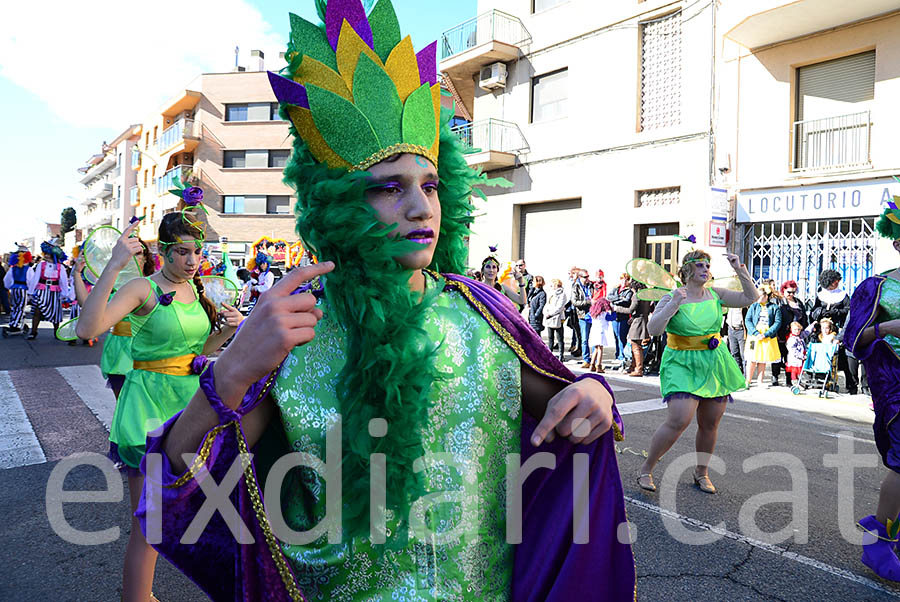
(66, 330)
(98, 250)
(220, 291)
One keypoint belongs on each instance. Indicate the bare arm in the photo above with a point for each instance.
(748, 295)
(515, 297)
(868, 335)
(81, 292)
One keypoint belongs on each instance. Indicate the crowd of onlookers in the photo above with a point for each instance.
(769, 337)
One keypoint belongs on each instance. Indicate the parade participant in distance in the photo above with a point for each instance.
(261, 277)
(16, 280)
(873, 334)
(48, 286)
(172, 327)
(408, 361)
(697, 374)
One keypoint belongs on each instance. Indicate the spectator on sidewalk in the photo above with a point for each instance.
(581, 300)
(638, 313)
(796, 352)
(537, 299)
(762, 323)
(620, 297)
(602, 320)
(554, 310)
(792, 310)
(529, 279)
(571, 316)
(734, 319)
(833, 302)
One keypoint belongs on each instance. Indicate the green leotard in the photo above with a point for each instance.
(475, 417)
(704, 372)
(148, 399)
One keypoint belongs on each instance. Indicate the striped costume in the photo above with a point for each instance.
(49, 284)
(16, 280)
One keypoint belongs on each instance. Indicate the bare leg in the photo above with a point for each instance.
(709, 413)
(889, 498)
(680, 412)
(751, 371)
(762, 371)
(140, 558)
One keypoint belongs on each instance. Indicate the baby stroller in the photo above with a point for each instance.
(819, 369)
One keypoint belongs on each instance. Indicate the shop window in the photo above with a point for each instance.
(550, 96)
(661, 60)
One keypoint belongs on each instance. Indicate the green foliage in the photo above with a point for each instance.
(67, 220)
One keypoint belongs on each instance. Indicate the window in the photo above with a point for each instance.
(661, 72)
(278, 158)
(145, 178)
(457, 121)
(275, 116)
(147, 142)
(119, 160)
(234, 204)
(155, 128)
(539, 5)
(152, 211)
(234, 159)
(549, 96)
(250, 111)
(658, 197)
(278, 204)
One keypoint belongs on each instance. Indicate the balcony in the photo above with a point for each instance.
(178, 137)
(772, 21)
(134, 196)
(494, 144)
(167, 182)
(135, 158)
(832, 143)
(491, 37)
(100, 190)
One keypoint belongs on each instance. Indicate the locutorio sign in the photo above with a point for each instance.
(822, 201)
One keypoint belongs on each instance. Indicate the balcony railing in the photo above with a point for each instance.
(833, 142)
(167, 182)
(490, 26)
(492, 135)
(174, 134)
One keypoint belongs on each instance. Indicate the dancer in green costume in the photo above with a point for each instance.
(172, 325)
(697, 374)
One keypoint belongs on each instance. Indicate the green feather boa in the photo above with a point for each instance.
(390, 360)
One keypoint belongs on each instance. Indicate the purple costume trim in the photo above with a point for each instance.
(686, 395)
(547, 565)
(881, 362)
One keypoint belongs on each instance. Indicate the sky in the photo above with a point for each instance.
(73, 75)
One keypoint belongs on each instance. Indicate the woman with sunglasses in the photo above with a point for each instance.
(792, 310)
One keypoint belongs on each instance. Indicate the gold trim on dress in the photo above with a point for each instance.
(691, 343)
(122, 329)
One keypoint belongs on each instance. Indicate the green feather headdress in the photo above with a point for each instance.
(888, 225)
(357, 93)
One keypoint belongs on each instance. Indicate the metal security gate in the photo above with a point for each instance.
(802, 250)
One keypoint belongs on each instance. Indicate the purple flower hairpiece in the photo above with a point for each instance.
(133, 219)
(192, 195)
(166, 299)
(493, 248)
(713, 343)
(692, 239)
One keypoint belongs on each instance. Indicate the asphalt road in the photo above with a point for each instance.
(60, 396)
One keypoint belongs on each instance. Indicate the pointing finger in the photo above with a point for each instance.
(295, 278)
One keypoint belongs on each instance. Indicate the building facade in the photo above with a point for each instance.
(222, 133)
(601, 115)
(809, 127)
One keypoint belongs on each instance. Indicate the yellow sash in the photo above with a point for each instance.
(122, 329)
(696, 343)
(173, 366)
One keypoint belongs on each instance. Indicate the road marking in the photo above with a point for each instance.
(90, 386)
(773, 549)
(846, 436)
(19, 445)
(742, 417)
(616, 387)
(635, 407)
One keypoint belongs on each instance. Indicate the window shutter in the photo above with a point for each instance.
(824, 89)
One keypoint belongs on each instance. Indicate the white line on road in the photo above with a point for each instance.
(845, 435)
(19, 445)
(635, 407)
(773, 549)
(742, 417)
(90, 386)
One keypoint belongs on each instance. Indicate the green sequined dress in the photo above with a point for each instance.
(889, 309)
(705, 373)
(148, 398)
(475, 417)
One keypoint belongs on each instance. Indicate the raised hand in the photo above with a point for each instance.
(279, 322)
(679, 295)
(126, 247)
(734, 261)
(231, 315)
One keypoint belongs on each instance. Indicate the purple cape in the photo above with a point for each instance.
(548, 565)
(881, 362)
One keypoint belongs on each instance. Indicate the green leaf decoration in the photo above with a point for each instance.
(418, 118)
(344, 128)
(322, 9)
(308, 39)
(385, 28)
(893, 527)
(376, 97)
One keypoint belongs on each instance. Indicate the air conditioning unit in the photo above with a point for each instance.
(492, 77)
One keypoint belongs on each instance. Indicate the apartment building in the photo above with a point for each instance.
(601, 116)
(809, 128)
(222, 132)
(107, 180)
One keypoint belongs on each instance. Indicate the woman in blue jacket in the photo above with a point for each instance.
(762, 322)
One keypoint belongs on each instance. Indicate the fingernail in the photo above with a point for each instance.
(535, 441)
